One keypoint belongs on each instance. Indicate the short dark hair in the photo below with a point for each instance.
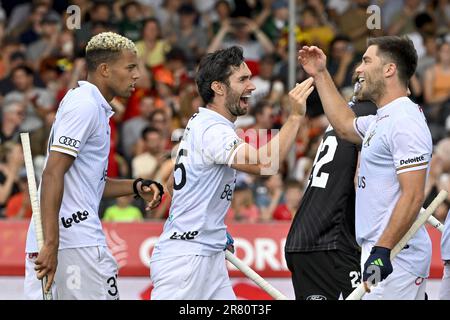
(28, 71)
(217, 66)
(400, 51)
(148, 130)
(155, 112)
(259, 107)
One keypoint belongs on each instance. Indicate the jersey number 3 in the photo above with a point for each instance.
(180, 166)
(320, 179)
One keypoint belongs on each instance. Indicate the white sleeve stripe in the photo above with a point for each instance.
(62, 149)
(233, 153)
(355, 126)
(416, 166)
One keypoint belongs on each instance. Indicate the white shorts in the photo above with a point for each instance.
(191, 277)
(399, 285)
(88, 273)
(444, 292)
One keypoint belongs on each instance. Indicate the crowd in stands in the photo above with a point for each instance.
(41, 58)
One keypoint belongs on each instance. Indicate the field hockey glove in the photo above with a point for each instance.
(146, 183)
(378, 266)
(230, 243)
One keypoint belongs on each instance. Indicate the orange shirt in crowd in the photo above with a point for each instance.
(14, 205)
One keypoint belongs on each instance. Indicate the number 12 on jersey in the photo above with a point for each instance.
(319, 179)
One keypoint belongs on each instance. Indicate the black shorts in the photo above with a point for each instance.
(324, 275)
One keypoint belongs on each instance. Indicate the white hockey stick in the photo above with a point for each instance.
(263, 284)
(436, 223)
(423, 216)
(34, 202)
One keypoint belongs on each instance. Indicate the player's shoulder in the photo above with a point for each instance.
(80, 100)
(209, 120)
(407, 111)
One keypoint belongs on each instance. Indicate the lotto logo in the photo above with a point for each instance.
(76, 218)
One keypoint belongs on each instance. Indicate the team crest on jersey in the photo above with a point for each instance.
(231, 145)
(367, 142)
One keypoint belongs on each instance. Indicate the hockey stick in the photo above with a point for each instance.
(249, 273)
(364, 287)
(34, 202)
(436, 223)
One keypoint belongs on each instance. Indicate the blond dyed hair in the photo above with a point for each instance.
(105, 47)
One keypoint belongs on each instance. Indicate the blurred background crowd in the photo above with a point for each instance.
(41, 57)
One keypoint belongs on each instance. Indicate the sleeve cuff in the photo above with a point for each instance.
(412, 167)
(355, 126)
(233, 153)
(63, 149)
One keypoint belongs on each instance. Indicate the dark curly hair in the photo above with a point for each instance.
(217, 66)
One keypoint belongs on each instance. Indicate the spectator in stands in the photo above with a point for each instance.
(47, 44)
(259, 133)
(424, 26)
(99, 13)
(243, 207)
(293, 192)
(39, 102)
(268, 86)
(429, 57)
(352, 23)
(147, 163)
(274, 19)
(168, 16)
(437, 90)
(189, 36)
(342, 61)
(441, 11)
(123, 211)
(152, 48)
(222, 12)
(268, 194)
(21, 14)
(19, 205)
(313, 30)
(12, 57)
(11, 161)
(403, 21)
(13, 114)
(132, 128)
(240, 31)
(160, 121)
(174, 72)
(131, 19)
(31, 28)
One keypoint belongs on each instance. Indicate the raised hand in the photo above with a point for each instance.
(298, 96)
(312, 59)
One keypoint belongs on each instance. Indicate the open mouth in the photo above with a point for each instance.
(244, 99)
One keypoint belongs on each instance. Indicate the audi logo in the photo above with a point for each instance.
(69, 141)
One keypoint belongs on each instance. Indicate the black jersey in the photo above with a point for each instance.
(325, 219)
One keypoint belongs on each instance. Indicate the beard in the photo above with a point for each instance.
(372, 89)
(232, 103)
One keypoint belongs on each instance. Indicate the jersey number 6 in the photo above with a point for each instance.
(178, 165)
